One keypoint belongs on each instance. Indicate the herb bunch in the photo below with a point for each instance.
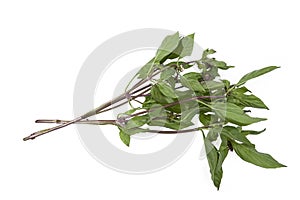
(171, 93)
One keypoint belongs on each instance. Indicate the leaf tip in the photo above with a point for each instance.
(192, 35)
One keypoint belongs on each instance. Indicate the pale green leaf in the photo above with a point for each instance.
(250, 132)
(158, 96)
(205, 119)
(207, 52)
(234, 114)
(218, 174)
(166, 90)
(137, 121)
(234, 133)
(218, 64)
(188, 45)
(167, 46)
(255, 74)
(125, 138)
(237, 96)
(167, 73)
(212, 157)
(147, 69)
(192, 84)
(188, 115)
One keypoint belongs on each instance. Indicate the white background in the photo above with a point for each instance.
(42, 47)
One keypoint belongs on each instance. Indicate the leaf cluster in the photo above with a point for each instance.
(183, 91)
(178, 95)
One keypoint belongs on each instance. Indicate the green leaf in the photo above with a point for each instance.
(167, 73)
(186, 65)
(237, 96)
(167, 46)
(172, 124)
(124, 137)
(171, 81)
(133, 131)
(178, 125)
(192, 75)
(184, 48)
(192, 84)
(207, 52)
(212, 157)
(235, 134)
(218, 64)
(234, 114)
(188, 115)
(205, 119)
(166, 90)
(149, 101)
(226, 84)
(188, 45)
(252, 101)
(129, 112)
(214, 133)
(251, 155)
(240, 90)
(215, 160)
(137, 121)
(147, 69)
(157, 110)
(158, 96)
(250, 132)
(223, 152)
(213, 85)
(255, 74)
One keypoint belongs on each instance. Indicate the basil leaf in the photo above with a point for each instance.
(207, 52)
(240, 90)
(158, 96)
(125, 138)
(213, 133)
(171, 124)
(235, 134)
(184, 48)
(188, 115)
(185, 65)
(192, 75)
(129, 112)
(167, 46)
(166, 90)
(137, 121)
(178, 125)
(192, 84)
(213, 85)
(147, 69)
(157, 110)
(223, 152)
(238, 97)
(218, 64)
(252, 101)
(134, 131)
(205, 119)
(226, 84)
(187, 45)
(167, 73)
(149, 102)
(255, 74)
(212, 157)
(215, 160)
(250, 132)
(234, 114)
(251, 155)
